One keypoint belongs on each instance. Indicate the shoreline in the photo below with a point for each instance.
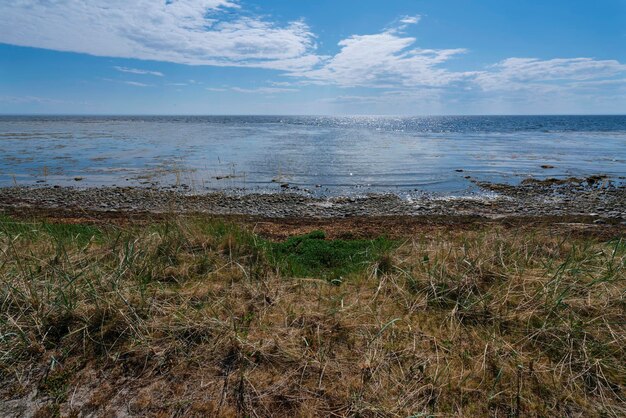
(595, 198)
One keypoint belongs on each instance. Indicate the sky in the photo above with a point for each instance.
(330, 57)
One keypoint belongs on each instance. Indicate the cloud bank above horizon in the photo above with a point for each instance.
(223, 33)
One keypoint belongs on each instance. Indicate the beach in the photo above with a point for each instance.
(596, 198)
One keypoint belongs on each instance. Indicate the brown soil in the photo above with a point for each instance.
(396, 227)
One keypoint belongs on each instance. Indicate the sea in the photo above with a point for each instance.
(319, 155)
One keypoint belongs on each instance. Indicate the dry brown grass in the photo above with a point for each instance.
(196, 318)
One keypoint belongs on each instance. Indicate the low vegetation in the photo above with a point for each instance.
(199, 317)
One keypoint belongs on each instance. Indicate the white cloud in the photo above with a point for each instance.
(127, 82)
(136, 84)
(617, 83)
(198, 32)
(264, 90)
(281, 83)
(218, 32)
(138, 71)
(524, 73)
(193, 32)
(259, 90)
(389, 98)
(30, 99)
(411, 20)
(391, 59)
(386, 59)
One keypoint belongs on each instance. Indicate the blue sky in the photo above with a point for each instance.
(400, 57)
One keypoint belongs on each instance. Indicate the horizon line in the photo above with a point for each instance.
(311, 114)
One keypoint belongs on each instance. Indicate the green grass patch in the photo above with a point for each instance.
(36, 230)
(312, 255)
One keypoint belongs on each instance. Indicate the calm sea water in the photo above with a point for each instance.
(326, 155)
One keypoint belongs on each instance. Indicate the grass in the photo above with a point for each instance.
(312, 255)
(197, 317)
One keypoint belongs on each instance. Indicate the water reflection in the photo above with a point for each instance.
(342, 155)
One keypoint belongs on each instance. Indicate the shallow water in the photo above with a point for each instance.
(326, 155)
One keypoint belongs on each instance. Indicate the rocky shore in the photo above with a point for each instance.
(597, 197)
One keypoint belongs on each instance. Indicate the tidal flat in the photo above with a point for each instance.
(596, 198)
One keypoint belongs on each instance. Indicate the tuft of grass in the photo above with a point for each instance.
(36, 230)
(313, 255)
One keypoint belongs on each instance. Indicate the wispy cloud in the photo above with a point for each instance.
(523, 73)
(196, 32)
(411, 20)
(30, 99)
(281, 83)
(136, 84)
(387, 98)
(258, 90)
(618, 83)
(263, 90)
(138, 71)
(127, 82)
